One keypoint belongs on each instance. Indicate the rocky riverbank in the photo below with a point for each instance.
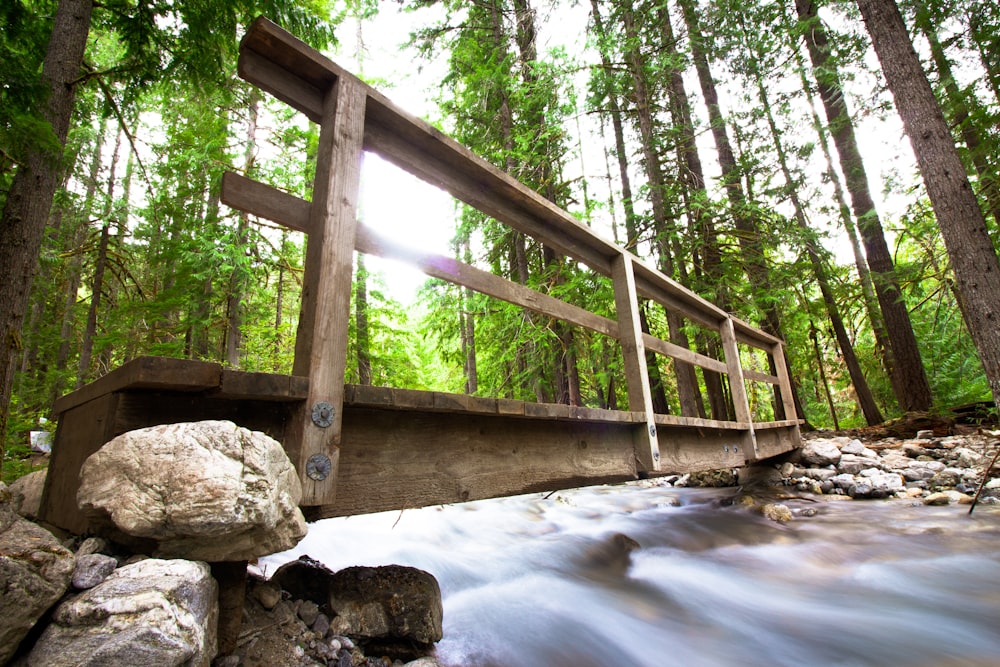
(296, 616)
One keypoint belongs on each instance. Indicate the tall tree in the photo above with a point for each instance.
(909, 380)
(29, 198)
(973, 257)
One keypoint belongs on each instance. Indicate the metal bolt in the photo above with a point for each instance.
(652, 430)
(322, 414)
(318, 467)
(725, 448)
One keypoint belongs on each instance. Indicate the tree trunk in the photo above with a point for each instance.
(97, 285)
(864, 394)
(749, 235)
(239, 278)
(883, 347)
(967, 130)
(687, 382)
(22, 225)
(909, 381)
(973, 258)
(705, 235)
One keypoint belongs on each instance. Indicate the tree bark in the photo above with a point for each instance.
(909, 381)
(29, 199)
(973, 258)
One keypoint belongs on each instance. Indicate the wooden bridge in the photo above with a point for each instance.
(362, 449)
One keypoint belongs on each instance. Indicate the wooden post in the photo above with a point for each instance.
(737, 385)
(784, 380)
(640, 398)
(313, 439)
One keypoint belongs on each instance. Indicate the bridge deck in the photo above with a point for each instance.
(400, 448)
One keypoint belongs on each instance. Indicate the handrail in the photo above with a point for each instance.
(353, 117)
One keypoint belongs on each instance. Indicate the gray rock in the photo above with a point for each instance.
(916, 474)
(390, 603)
(308, 611)
(207, 490)
(842, 481)
(913, 450)
(820, 474)
(35, 571)
(152, 613)
(820, 452)
(947, 477)
(853, 464)
(857, 448)
(92, 569)
(967, 458)
(925, 434)
(93, 545)
(268, 594)
(27, 493)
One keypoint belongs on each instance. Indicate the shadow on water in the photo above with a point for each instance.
(627, 575)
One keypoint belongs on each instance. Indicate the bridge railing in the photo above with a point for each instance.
(354, 118)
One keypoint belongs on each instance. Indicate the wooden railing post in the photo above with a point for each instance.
(313, 438)
(640, 398)
(737, 384)
(784, 380)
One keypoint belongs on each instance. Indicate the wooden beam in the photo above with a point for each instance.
(784, 380)
(640, 398)
(314, 436)
(262, 200)
(737, 384)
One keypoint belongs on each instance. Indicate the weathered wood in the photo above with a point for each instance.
(250, 196)
(757, 376)
(322, 338)
(394, 460)
(453, 271)
(737, 384)
(675, 351)
(262, 386)
(640, 398)
(82, 430)
(149, 373)
(784, 380)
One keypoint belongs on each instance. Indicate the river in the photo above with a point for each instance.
(548, 581)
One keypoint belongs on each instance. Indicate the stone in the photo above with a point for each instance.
(152, 613)
(913, 450)
(305, 579)
(842, 481)
(27, 493)
(820, 474)
(820, 452)
(776, 512)
(924, 434)
(208, 490)
(93, 545)
(268, 594)
(939, 498)
(387, 604)
(967, 458)
(853, 464)
(35, 571)
(308, 611)
(857, 448)
(92, 569)
(947, 477)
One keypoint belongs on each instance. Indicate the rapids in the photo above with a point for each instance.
(549, 581)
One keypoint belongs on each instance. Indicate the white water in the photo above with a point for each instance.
(535, 581)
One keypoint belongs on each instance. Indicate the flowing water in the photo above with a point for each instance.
(548, 581)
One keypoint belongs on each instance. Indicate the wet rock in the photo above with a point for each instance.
(155, 612)
(92, 569)
(776, 512)
(713, 478)
(391, 606)
(35, 571)
(820, 452)
(206, 490)
(939, 498)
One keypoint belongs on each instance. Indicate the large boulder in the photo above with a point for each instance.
(208, 490)
(386, 606)
(821, 452)
(153, 613)
(35, 571)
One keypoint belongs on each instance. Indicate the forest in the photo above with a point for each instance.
(779, 157)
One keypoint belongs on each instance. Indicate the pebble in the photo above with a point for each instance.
(267, 594)
(308, 612)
